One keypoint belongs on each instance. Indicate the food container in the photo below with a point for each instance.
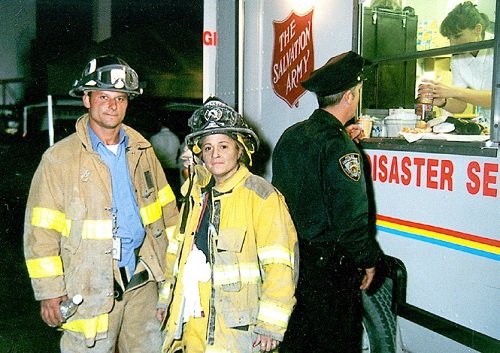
(396, 123)
(379, 129)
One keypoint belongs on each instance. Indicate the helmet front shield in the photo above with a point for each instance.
(216, 117)
(107, 73)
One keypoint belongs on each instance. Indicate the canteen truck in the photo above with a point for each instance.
(437, 198)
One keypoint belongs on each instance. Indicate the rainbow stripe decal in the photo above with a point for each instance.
(452, 239)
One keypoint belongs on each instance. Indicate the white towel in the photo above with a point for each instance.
(196, 269)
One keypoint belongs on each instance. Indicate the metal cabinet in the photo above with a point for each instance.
(386, 34)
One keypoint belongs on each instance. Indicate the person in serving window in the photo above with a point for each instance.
(472, 72)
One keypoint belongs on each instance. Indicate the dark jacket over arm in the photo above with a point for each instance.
(319, 169)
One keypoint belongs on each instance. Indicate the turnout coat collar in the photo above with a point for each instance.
(136, 140)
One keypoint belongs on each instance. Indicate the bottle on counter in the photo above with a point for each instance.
(428, 97)
(69, 307)
(425, 112)
(424, 107)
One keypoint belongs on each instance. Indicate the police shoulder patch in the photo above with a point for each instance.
(351, 165)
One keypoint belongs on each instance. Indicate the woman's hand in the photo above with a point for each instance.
(435, 91)
(267, 344)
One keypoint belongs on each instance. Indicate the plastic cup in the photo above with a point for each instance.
(366, 125)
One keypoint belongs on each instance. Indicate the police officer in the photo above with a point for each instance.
(319, 169)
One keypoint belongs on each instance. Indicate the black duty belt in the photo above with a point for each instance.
(321, 253)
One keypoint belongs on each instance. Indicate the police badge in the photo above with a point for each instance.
(351, 166)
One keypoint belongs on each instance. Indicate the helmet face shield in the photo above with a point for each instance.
(107, 73)
(116, 76)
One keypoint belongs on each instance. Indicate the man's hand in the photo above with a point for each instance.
(355, 132)
(367, 278)
(50, 311)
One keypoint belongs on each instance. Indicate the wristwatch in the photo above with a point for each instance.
(442, 105)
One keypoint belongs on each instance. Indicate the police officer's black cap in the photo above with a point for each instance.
(339, 74)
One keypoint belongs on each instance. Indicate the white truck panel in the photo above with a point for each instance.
(439, 213)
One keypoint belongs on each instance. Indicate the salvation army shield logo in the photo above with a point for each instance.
(351, 165)
(293, 56)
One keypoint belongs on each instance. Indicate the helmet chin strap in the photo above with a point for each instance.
(196, 148)
(247, 151)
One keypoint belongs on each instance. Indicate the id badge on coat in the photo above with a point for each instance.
(117, 248)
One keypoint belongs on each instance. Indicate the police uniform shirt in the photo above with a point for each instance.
(319, 169)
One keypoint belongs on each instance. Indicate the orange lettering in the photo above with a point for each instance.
(419, 163)
(446, 174)
(490, 179)
(432, 173)
(394, 176)
(383, 168)
(405, 168)
(475, 184)
(210, 38)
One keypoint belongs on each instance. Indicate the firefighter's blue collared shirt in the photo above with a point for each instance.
(130, 229)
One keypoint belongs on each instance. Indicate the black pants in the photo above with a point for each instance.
(328, 314)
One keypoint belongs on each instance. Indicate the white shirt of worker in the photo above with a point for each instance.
(474, 72)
